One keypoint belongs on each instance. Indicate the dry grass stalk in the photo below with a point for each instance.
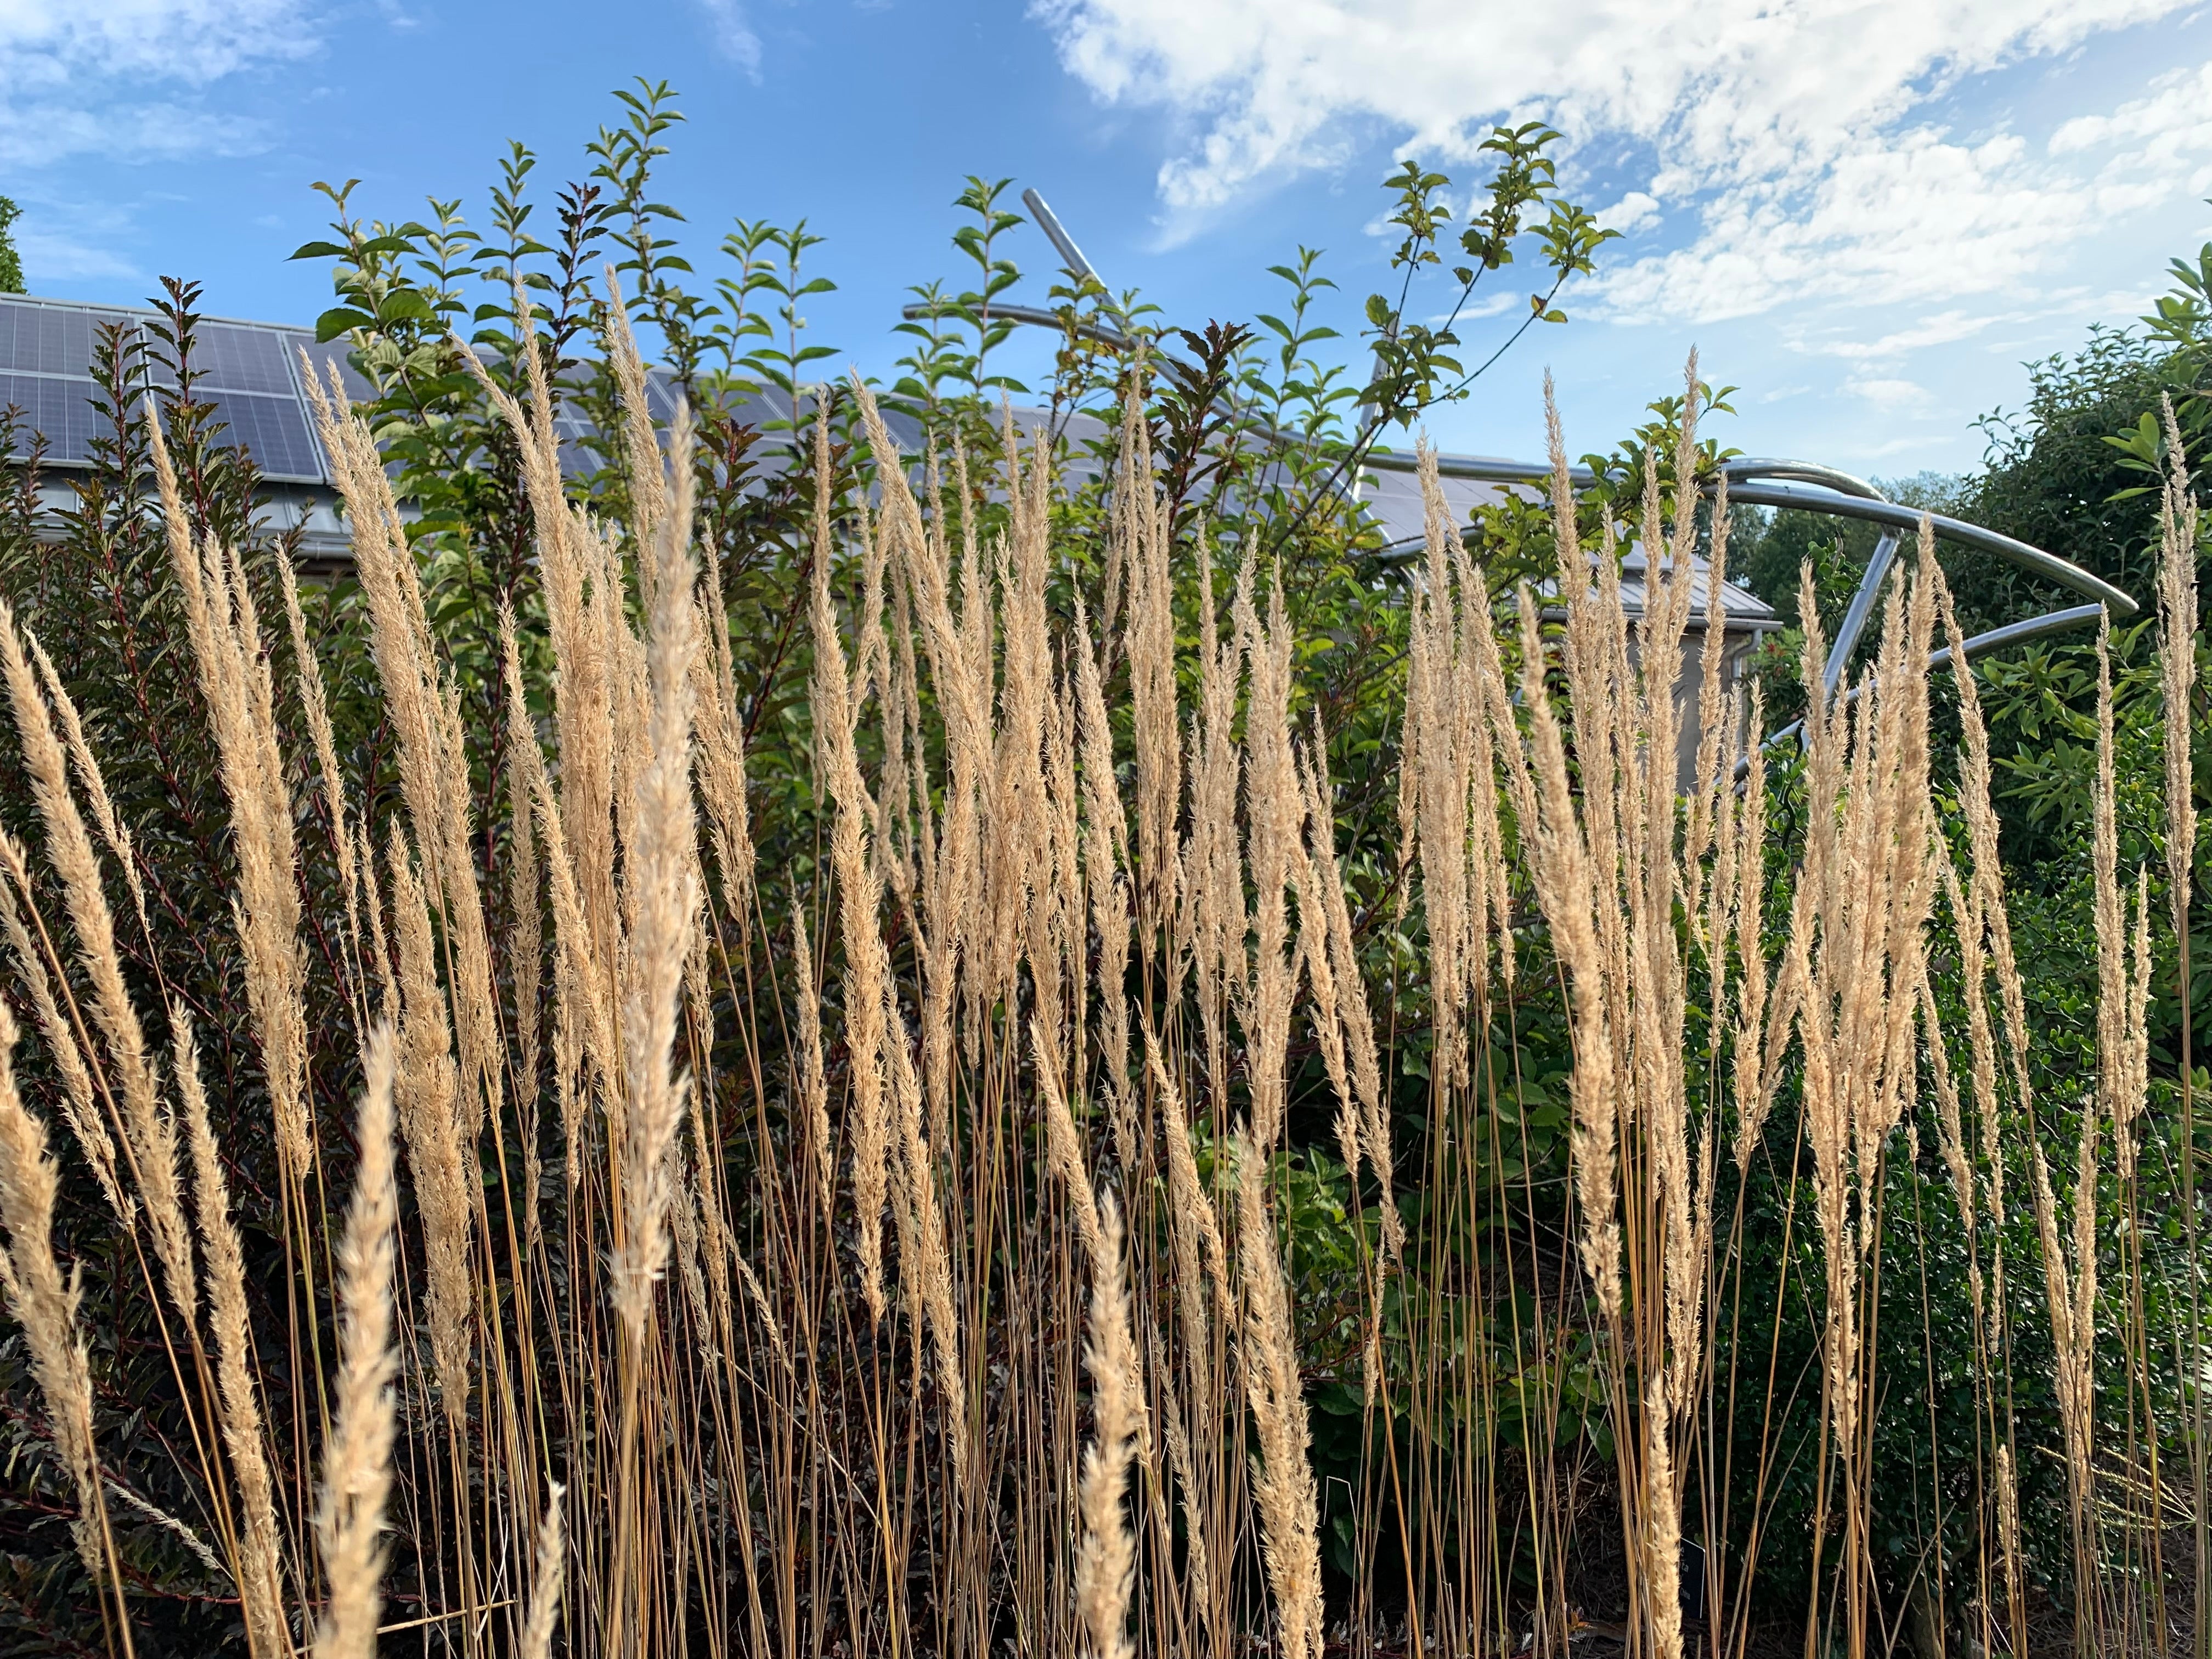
(859, 889)
(1615, 856)
(1105, 854)
(357, 1457)
(1349, 988)
(425, 710)
(45, 1305)
(2177, 608)
(719, 726)
(583, 1014)
(440, 1154)
(2178, 659)
(1016, 856)
(1757, 1057)
(813, 1088)
(1105, 1560)
(1986, 885)
(1951, 1141)
(1283, 1488)
(90, 779)
(526, 935)
(314, 703)
(1138, 551)
(1856, 952)
(649, 484)
(259, 1571)
(150, 1136)
(661, 889)
(1447, 785)
(1194, 1228)
(2071, 1286)
(1058, 918)
(1346, 1033)
(582, 601)
(1064, 1147)
(546, 1583)
(1274, 811)
(1212, 924)
(234, 678)
(87, 1121)
(1986, 949)
(925, 1258)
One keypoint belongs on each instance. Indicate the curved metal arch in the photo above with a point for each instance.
(2034, 560)
(1803, 486)
(1844, 483)
(2019, 633)
(1807, 487)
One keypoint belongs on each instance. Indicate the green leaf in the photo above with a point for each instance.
(340, 319)
(318, 251)
(405, 305)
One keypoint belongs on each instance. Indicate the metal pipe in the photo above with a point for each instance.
(1041, 319)
(2034, 627)
(2034, 559)
(1844, 483)
(1497, 469)
(1483, 469)
(1862, 607)
(1056, 234)
(2019, 633)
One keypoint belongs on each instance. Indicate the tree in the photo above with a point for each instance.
(11, 262)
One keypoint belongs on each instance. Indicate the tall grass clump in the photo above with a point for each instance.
(1064, 1133)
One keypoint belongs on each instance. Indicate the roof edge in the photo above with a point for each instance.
(149, 311)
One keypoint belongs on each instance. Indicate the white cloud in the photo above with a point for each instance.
(1944, 328)
(195, 41)
(733, 35)
(84, 77)
(52, 258)
(2172, 121)
(1806, 146)
(1632, 212)
(1892, 395)
(41, 132)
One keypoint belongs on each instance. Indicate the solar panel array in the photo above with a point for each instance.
(248, 372)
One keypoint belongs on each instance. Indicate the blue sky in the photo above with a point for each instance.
(1866, 213)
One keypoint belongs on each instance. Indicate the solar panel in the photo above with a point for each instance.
(324, 358)
(61, 410)
(44, 340)
(249, 372)
(241, 360)
(272, 430)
